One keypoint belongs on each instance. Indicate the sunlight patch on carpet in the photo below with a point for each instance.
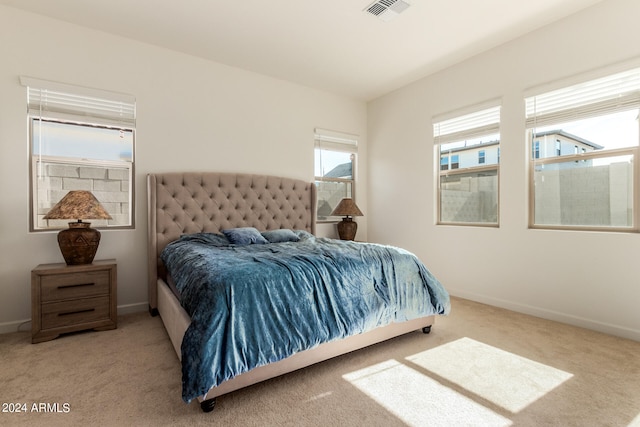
(510, 381)
(635, 422)
(419, 400)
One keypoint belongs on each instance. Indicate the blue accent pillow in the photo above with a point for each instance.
(279, 236)
(244, 236)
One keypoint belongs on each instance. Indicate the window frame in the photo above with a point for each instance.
(334, 141)
(85, 108)
(589, 110)
(476, 121)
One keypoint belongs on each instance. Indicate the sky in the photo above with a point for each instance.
(85, 142)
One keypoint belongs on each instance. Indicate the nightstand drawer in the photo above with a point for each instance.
(65, 313)
(73, 285)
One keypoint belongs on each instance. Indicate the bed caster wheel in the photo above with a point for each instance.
(208, 405)
(426, 329)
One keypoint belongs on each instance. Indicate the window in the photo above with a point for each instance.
(444, 163)
(593, 185)
(469, 150)
(455, 161)
(335, 165)
(80, 139)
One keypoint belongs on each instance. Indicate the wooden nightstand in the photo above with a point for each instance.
(67, 298)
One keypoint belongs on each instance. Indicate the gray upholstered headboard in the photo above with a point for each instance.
(191, 202)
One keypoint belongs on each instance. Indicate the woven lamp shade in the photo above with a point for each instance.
(347, 207)
(78, 243)
(347, 228)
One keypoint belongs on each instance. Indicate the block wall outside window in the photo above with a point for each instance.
(581, 194)
(469, 198)
(329, 195)
(109, 183)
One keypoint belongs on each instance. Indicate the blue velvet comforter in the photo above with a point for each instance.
(256, 304)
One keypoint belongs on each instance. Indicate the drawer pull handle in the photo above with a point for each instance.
(75, 286)
(77, 312)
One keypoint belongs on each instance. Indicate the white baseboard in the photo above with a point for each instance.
(15, 326)
(607, 328)
(25, 324)
(133, 308)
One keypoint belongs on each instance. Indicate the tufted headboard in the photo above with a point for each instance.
(192, 202)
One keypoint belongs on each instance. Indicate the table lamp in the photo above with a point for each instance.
(347, 228)
(78, 243)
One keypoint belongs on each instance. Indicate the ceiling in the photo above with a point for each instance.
(332, 45)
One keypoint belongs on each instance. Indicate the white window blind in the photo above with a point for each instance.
(335, 141)
(67, 102)
(617, 92)
(473, 125)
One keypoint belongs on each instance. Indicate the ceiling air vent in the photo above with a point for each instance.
(387, 9)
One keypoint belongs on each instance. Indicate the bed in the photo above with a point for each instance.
(187, 212)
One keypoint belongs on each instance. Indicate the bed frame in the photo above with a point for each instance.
(192, 202)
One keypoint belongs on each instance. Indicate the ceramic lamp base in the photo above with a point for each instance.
(347, 229)
(79, 243)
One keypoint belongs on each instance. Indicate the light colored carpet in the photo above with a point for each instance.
(479, 366)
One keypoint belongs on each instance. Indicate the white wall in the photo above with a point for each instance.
(192, 115)
(583, 278)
